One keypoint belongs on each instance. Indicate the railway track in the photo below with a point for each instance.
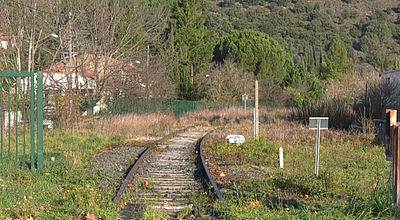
(165, 176)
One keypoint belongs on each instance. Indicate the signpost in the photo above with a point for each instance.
(244, 98)
(318, 123)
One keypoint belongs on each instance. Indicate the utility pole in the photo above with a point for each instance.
(257, 129)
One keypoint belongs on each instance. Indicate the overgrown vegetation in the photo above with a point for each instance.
(340, 113)
(69, 186)
(354, 180)
(64, 188)
(313, 56)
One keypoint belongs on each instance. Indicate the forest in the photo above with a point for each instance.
(205, 49)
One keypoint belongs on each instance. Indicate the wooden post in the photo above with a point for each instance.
(391, 119)
(393, 152)
(396, 166)
(393, 144)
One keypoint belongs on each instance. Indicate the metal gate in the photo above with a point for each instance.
(21, 105)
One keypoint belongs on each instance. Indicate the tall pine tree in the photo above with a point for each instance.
(336, 61)
(192, 46)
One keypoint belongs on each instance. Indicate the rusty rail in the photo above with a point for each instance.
(210, 178)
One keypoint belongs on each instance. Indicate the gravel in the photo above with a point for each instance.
(115, 163)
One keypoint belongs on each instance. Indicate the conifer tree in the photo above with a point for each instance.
(192, 45)
(257, 53)
(336, 60)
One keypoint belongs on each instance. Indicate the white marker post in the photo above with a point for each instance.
(318, 123)
(280, 157)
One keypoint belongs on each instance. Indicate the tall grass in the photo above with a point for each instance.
(377, 97)
(135, 126)
(354, 180)
(340, 113)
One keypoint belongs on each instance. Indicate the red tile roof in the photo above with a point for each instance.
(86, 64)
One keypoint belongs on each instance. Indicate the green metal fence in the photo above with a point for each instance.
(177, 107)
(21, 105)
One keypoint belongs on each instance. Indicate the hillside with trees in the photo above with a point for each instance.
(178, 48)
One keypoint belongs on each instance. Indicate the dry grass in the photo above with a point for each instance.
(294, 137)
(353, 173)
(138, 127)
(216, 118)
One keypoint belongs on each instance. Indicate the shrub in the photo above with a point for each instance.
(345, 14)
(228, 3)
(353, 14)
(369, 42)
(348, 1)
(378, 97)
(225, 82)
(309, 90)
(340, 113)
(381, 30)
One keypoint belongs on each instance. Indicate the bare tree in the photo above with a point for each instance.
(29, 25)
(117, 34)
(226, 82)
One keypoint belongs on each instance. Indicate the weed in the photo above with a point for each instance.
(353, 182)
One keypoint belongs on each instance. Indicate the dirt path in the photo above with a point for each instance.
(168, 176)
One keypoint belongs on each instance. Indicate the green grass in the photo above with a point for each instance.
(354, 179)
(65, 187)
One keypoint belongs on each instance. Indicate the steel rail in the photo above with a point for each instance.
(132, 171)
(210, 178)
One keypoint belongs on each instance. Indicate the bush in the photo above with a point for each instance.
(381, 30)
(378, 97)
(340, 113)
(309, 90)
(378, 59)
(228, 3)
(369, 42)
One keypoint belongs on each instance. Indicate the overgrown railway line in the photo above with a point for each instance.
(166, 175)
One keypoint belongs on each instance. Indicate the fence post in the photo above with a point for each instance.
(16, 121)
(32, 120)
(391, 119)
(396, 166)
(40, 120)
